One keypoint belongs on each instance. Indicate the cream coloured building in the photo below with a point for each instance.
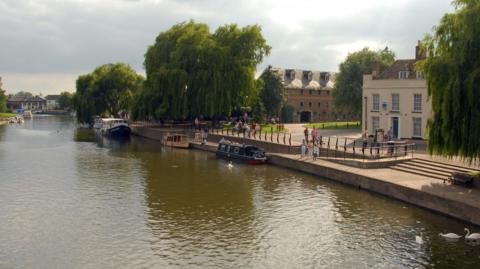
(396, 100)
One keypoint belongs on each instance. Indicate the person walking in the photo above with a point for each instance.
(303, 149)
(305, 132)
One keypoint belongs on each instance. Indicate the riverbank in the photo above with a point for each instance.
(420, 190)
(429, 193)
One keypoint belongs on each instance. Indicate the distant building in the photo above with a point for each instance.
(36, 103)
(310, 94)
(52, 101)
(396, 100)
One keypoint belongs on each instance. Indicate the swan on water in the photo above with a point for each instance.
(419, 239)
(451, 236)
(471, 237)
(230, 165)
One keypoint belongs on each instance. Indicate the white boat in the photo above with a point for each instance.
(27, 114)
(175, 141)
(115, 127)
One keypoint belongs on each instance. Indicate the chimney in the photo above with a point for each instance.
(375, 68)
(419, 55)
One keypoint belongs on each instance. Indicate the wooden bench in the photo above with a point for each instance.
(461, 179)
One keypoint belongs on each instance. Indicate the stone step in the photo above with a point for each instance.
(431, 171)
(417, 173)
(435, 168)
(443, 165)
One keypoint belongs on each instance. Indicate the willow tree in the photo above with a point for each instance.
(347, 92)
(191, 71)
(452, 71)
(108, 90)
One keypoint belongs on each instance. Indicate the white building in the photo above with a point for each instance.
(52, 101)
(396, 100)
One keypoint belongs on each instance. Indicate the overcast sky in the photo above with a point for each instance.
(46, 44)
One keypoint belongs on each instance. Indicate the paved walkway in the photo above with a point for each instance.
(296, 129)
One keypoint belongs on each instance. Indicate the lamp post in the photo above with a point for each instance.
(366, 111)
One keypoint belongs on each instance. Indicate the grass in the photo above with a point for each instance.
(334, 125)
(6, 115)
(266, 128)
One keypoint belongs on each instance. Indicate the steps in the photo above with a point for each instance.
(431, 169)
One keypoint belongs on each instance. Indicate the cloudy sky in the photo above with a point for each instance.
(46, 44)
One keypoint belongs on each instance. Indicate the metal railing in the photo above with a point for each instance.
(274, 136)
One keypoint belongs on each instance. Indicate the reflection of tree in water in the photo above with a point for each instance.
(197, 208)
(3, 129)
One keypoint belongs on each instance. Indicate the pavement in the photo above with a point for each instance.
(296, 129)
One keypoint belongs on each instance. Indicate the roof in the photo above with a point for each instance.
(25, 99)
(397, 66)
(52, 97)
(306, 79)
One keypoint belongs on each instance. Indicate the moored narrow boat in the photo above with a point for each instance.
(115, 127)
(242, 152)
(175, 141)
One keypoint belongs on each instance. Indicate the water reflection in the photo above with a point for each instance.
(71, 199)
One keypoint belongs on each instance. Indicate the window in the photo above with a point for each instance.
(403, 74)
(301, 104)
(310, 92)
(319, 104)
(301, 92)
(419, 75)
(417, 127)
(376, 102)
(417, 102)
(395, 102)
(375, 123)
(310, 104)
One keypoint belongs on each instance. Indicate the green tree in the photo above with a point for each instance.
(23, 94)
(65, 100)
(3, 100)
(191, 71)
(347, 92)
(287, 113)
(452, 71)
(109, 89)
(272, 94)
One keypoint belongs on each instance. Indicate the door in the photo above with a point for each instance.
(305, 116)
(395, 127)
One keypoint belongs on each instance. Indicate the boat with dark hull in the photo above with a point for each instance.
(241, 152)
(115, 127)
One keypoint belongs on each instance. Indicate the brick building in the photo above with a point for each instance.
(310, 94)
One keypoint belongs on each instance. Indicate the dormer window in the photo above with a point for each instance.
(403, 74)
(291, 74)
(308, 75)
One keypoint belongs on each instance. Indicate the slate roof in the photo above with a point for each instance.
(306, 79)
(25, 99)
(396, 67)
(52, 97)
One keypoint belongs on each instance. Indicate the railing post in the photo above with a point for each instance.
(336, 147)
(328, 146)
(345, 148)
(284, 134)
(290, 140)
(354, 148)
(278, 135)
(271, 134)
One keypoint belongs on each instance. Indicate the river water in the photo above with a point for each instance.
(69, 199)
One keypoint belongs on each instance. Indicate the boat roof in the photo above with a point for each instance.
(112, 119)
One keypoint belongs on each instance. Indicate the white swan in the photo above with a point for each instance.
(230, 165)
(419, 239)
(451, 236)
(473, 237)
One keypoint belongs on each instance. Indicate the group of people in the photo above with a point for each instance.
(310, 147)
(245, 128)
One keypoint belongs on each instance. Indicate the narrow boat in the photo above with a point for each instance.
(115, 127)
(242, 152)
(175, 141)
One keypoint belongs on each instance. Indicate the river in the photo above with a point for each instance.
(70, 199)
